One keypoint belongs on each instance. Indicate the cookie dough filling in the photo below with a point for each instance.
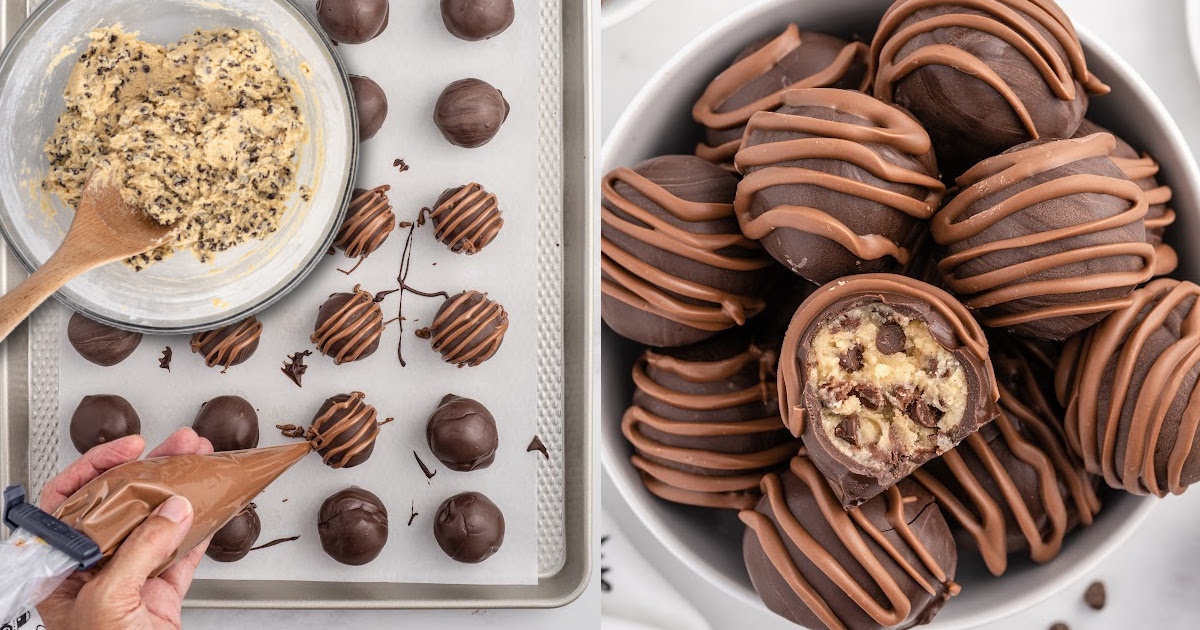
(202, 133)
(888, 391)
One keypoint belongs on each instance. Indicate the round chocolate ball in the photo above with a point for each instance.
(372, 104)
(233, 541)
(468, 329)
(462, 434)
(344, 429)
(229, 345)
(353, 21)
(469, 113)
(469, 527)
(100, 343)
(369, 222)
(675, 268)
(348, 326)
(474, 20)
(353, 526)
(229, 422)
(102, 418)
(466, 218)
(836, 183)
(819, 566)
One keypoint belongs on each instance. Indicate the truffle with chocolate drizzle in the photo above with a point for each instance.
(349, 325)
(368, 223)
(466, 218)
(343, 431)
(468, 329)
(229, 345)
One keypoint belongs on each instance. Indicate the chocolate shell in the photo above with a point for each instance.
(343, 431)
(462, 434)
(368, 223)
(372, 104)
(348, 326)
(759, 76)
(100, 343)
(102, 418)
(475, 20)
(466, 218)
(880, 374)
(353, 21)
(1045, 239)
(469, 527)
(469, 113)
(675, 268)
(889, 563)
(353, 526)
(234, 541)
(229, 345)
(228, 422)
(468, 329)
(704, 424)
(836, 183)
(983, 76)
(1129, 386)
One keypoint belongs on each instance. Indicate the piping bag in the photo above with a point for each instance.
(93, 522)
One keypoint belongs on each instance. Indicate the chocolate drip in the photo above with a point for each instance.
(229, 345)
(466, 219)
(468, 329)
(1053, 283)
(369, 221)
(349, 326)
(344, 430)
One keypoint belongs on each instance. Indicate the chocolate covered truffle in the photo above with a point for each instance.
(372, 104)
(343, 431)
(469, 113)
(233, 541)
(1045, 239)
(468, 329)
(879, 374)
(474, 20)
(368, 223)
(229, 345)
(100, 343)
(469, 527)
(102, 418)
(836, 182)
(889, 563)
(462, 434)
(229, 422)
(983, 76)
(704, 424)
(348, 326)
(675, 268)
(466, 218)
(1129, 385)
(353, 526)
(353, 21)
(762, 73)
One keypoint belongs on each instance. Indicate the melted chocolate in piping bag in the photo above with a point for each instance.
(219, 486)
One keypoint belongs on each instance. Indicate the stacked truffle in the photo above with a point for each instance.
(985, 350)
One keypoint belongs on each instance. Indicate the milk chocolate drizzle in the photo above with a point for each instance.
(356, 325)
(853, 530)
(351, 419)
(830, 140)
(1142, 170)
(369, 222)
(1144, 425)
(709, 112)
(225, 345)
(468, 328)
(648, 288)
(1012, 21)
(468, 220)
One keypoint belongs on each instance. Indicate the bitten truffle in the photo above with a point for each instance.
(878, 375)
(836, 183)
(102, 418)
(348, 326)
(353, 21)
(229, 422)
(762, 73)
(100, 343)
(462, 434)
(469, 527)
(468, 329)
(469, 113)
(474, 20)
(675, 268)
(372, 104)
(369, 222)
(353, 526)
(983, 76)
(466, 218)
(704, 424)
(889, 563)
(1045, 239)
(233, 541)
(343, 431)
(230, 345)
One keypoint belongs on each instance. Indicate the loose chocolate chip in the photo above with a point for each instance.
(890, 338)
(1095, 596)
(848, 429)
(923, 414)
(851, 360)
(869, 395)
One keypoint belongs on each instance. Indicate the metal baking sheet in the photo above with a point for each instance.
(564, 503)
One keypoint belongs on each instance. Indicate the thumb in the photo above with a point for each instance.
(155, 540)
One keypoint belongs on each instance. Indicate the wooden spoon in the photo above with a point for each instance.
(105, 229)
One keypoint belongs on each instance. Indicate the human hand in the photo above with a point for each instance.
(121, 595)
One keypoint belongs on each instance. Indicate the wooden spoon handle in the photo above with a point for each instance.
(16, 305)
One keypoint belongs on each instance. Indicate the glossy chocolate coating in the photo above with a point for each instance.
(229, 345)
(344, 429)
(474, 20)
(372, 104)
(469, 527)
(468, 329)
(353, 21)
(100, 343)
(466, 218)
(233, 541)
(102, 418)
(229, 422)
(469, 113)
(348, 326)
(353, 526)
(368, 223)
(675, 267)
(462, 434)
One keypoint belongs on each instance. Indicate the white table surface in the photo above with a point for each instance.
(1154, 580)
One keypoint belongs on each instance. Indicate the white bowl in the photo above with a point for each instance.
(179, 295)
(708, 542)
(613, 12)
